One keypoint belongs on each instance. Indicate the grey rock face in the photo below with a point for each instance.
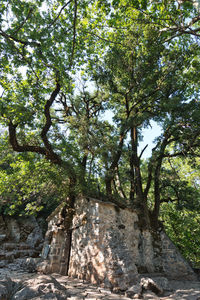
(35, 238)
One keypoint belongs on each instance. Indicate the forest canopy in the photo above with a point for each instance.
(65, 65)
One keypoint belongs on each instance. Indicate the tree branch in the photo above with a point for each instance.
(57, 17)
(27, 17)
(22, 148)
(74, 31)
(25, 43)
(50, 153)
(143, 151)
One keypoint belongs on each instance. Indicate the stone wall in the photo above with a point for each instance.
(108, 247)
(56, 245)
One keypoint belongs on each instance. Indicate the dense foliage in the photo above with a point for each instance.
(64, 67)
(181, 205)
(28, 186)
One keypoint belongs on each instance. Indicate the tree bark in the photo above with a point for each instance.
(140, 201)
(157, 172)
(110, 174)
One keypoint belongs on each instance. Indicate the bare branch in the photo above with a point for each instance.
(143, 151)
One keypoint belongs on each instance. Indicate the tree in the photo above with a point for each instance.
(28, 185)
(139, 71)
(145, 83)
(180, 204)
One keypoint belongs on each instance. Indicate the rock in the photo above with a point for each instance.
(7, 288)
(137, 296)
(197, 271)
(3, 292)
(162, 282)
(29, 264)
(25, 294)
(146, 286)
(14, 229)
(35, 238)
(149, 285)
(150, 296)
(2, 237)
(3, 264)
(134, 290)
(42, 287)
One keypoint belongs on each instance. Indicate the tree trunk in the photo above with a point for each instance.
(140, 202)
(156, 210)
(110, 174)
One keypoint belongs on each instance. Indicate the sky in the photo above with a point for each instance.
(149, 135)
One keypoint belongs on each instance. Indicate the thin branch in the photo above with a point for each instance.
(103, 39)
(25, 43)
(26, 19)
(182, 153)
(60, 12)
(74, 31)
(143, 151)
(168, 199)
(194, 20)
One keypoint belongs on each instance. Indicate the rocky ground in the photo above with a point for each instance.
(18, 284)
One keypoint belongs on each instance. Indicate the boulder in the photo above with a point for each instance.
(147, 286)
(162, 282)
(135, 290)
(42, 287)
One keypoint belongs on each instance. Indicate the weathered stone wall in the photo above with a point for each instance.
(19, 238)
(104, 244)
(56, 245)
(109, 248)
